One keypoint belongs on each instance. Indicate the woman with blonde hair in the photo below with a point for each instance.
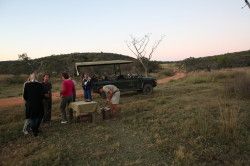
(33, 95)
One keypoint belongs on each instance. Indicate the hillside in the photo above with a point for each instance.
(65, 62)
(56, 63)
(229, 60)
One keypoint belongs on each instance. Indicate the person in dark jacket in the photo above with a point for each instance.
(26, 127)
(33, 95)
(86, 85)
(47, 101)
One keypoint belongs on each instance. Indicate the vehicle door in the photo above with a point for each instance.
(136, 83)
(122, 83)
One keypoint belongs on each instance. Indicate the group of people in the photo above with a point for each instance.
(38, 99)
(110, 92)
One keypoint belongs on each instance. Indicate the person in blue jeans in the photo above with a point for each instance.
(86, 85)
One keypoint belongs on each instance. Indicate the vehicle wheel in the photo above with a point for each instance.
(147, 89)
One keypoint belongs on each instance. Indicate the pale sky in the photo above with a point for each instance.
(192, 27)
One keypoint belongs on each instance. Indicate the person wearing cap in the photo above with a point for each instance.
(112, 94)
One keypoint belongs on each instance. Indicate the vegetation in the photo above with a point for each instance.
(193, 121)
(56, 63)
(230, 60)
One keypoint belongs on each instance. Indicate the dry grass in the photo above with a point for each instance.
(181, 123)
(229, 118)
(239, 86)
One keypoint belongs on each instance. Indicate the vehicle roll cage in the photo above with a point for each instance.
(102, 63)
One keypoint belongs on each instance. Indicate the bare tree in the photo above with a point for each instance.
(247, 4)
(139, 47)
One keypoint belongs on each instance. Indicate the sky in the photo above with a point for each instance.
(192, 28)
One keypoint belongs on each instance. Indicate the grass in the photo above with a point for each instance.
(184, 122)
(229, 119)
(12, 86)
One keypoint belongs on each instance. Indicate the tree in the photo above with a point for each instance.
(28, 64)
(23, 57)
(247, 4)
(138, 46)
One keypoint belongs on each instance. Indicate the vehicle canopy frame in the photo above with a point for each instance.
(101, 63)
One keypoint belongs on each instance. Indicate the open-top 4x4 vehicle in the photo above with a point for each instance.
(129, 82)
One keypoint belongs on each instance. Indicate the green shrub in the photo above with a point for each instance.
(16, 79)
(231, 60)
(167, 72)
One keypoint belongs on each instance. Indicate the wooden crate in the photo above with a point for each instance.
(81, 108)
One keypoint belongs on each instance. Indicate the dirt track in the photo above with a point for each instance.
(15, 101)
(175, 77)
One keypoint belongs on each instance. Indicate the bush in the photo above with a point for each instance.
(16, 79)
(232, 60)
(153, 66)
(167, 72)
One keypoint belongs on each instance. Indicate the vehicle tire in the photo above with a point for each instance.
(147, 89)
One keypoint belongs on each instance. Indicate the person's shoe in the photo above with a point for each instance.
(88, 100)
(64, 122)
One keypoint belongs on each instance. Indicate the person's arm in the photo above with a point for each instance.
(74, 91)
(25, 95)
(46, 93)
(43, 93)
(50, 91)
(110, 95)
(62, 89)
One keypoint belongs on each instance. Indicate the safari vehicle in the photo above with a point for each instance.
(128, 82)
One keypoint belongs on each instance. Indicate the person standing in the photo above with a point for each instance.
(47, 101)
(33, 95)
(74, 89)
(26, 126)
(112, 94)
(67, 90)
(86, 85)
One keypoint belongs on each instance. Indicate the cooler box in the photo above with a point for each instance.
(84, 108)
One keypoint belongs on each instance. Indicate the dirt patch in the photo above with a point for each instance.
(15, 101)
(177, 76)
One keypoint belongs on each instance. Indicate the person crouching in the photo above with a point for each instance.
(112, 94)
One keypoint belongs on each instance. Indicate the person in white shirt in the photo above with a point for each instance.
(113, 97)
